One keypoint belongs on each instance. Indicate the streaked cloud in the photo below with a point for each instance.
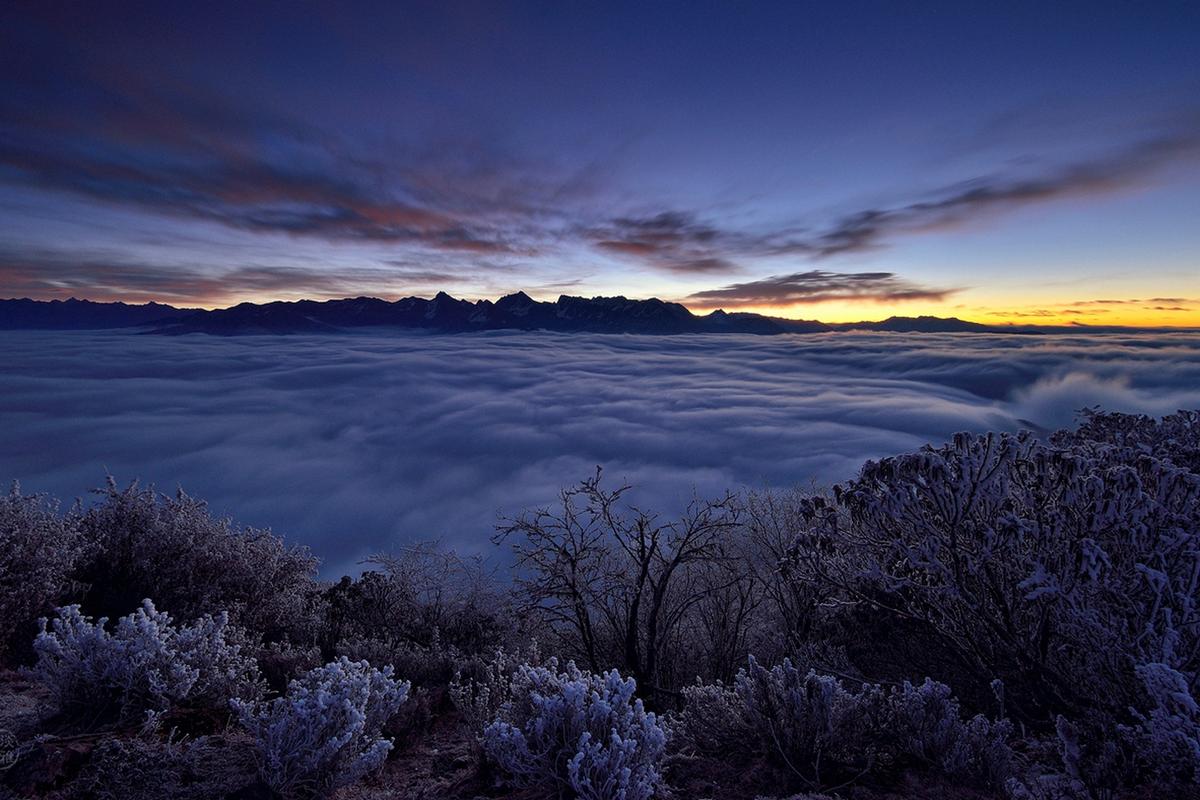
(817, 286)
(188, 153)
(106, 278)
(673, 241)
(679, 241)
(966, 202)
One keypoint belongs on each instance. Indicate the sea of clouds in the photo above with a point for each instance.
(359, 443)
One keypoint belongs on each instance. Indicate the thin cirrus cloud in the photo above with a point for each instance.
(359, 443)
(818, 286)
(109, 277)
(197, 155)
(1159, 303)
(248, 193)
(680, 242)
(100, 278)
(967, 202)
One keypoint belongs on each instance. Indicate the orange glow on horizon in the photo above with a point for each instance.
(1159, 312)
(1124, 313)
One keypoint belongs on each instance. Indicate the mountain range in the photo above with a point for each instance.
(442, 313)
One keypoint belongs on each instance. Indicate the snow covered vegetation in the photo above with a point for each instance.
(1005, 616)
(577, 733)
(144, 664)
(325, 731)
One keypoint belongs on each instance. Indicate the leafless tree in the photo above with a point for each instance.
(618, 585)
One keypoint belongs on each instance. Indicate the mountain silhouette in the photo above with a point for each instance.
(442, 313)
(83, 314)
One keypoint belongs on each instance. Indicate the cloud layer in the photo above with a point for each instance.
(353, 444)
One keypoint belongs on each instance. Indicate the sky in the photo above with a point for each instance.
(1000, 162)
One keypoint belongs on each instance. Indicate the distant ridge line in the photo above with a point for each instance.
(447, 314)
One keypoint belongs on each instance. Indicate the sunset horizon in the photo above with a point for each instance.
(1099, 313)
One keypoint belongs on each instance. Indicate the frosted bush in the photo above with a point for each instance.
(145, 663)
(1174, 438)
(480, 697)
(577, 732)
(1058, 567)
(925, 723)
(191, 563)
(1089, 767)
(1168, 735)
(325, 732)
(38, 550)
(220, 654)
(433, 665)
(816, 727)
(826, 734)
(147, 768)
(713, 722)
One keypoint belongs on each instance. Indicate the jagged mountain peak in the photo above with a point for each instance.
(443, 312)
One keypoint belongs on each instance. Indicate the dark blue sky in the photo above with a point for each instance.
(832, 160)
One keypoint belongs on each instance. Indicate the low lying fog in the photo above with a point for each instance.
(352, 444)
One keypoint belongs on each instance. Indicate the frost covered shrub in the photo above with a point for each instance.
(925, 723)
(38, 551)
(145, 663)
(1155, 756)
(1174, 438)
(172, 549)
(423, 597)
(826, 734)
(281, 661)
(1167, 736)
(433, 665)
(480, 699)
(713, 723)
(1075, 765)
(143, 768)
(324, 733)
(481, 686)
(1058, 568)
(578, 733)
(818, 729)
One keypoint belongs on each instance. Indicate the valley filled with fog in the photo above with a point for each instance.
(356, 444)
